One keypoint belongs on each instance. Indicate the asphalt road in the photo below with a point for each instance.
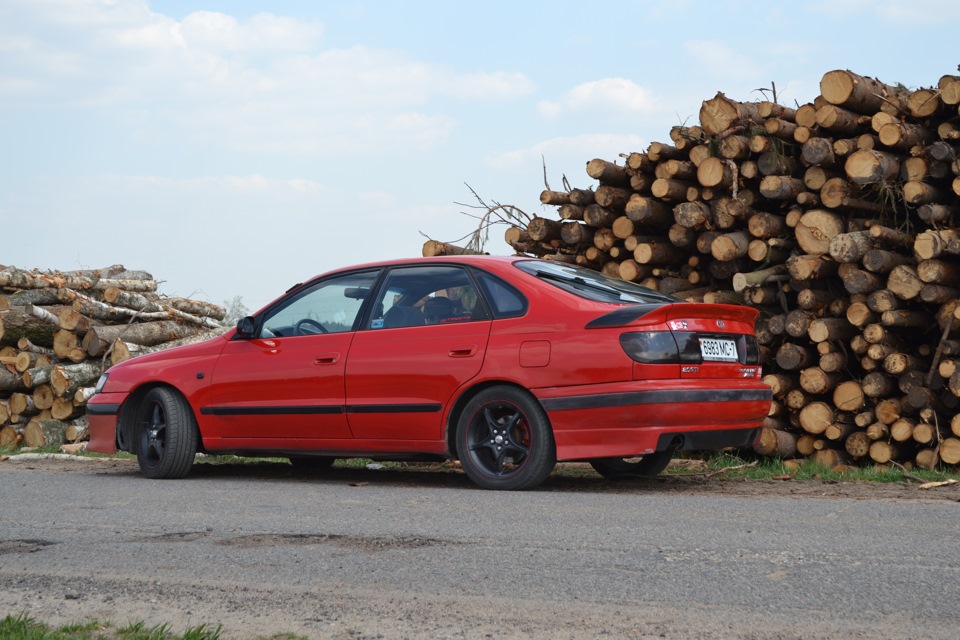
(425, 555)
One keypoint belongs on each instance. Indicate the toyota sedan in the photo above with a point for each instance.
(508, 364)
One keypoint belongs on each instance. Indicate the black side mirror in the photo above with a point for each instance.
(246, 327)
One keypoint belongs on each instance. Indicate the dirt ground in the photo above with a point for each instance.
(683, 476)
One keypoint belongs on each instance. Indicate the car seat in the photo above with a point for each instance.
(437, 309)
(402, 317)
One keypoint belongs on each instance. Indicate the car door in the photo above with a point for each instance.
(414, 353)
(287, 381)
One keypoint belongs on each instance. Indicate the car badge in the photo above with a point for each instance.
(721, 324)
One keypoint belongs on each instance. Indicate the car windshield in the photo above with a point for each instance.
(591, 284)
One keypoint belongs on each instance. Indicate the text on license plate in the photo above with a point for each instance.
(714, 349)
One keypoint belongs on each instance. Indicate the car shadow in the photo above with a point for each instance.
(567, 477)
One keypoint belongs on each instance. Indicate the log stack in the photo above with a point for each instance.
(838, 219)
(59, 331)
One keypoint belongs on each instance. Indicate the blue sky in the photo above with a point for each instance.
(235, 148)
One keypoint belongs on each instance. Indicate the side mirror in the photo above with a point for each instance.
(246, 327)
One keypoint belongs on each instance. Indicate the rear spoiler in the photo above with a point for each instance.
(652, 314)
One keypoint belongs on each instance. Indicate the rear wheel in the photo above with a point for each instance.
(504, 440)
(645, 467)
(167, 442)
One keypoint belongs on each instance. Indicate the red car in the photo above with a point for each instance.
(507, 363)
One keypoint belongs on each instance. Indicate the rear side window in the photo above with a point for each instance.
(503, 297)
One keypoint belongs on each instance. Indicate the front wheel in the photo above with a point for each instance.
(167, 443)
(645, 467)
(504, 440)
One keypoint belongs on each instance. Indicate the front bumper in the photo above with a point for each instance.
(103, 411)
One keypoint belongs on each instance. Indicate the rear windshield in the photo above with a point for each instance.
(589, 284)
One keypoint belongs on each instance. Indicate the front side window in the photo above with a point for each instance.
(426, 295)
(329, 306)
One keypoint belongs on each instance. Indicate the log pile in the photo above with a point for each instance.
(838, 219)
(60, 330)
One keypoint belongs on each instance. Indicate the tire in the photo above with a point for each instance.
(311, 463)
(504, 440)
(166, 434)
(646, 467)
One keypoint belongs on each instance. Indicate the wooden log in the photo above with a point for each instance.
(659, 253)
(660, 151)
(817, 381)
(855, 92)
(670, 190)
(612, 197)
(923, 103)
(811, 267)
(950, 450)
(832, 329)
(67, 379)
(776, 442)
(774, 163)
(730, 246)
(848, 396)
(816, 417)
(904, 282)
(720, 113)
(555, 198)
(882, 261)
(935, 242)
(883, 452)
(949, 89)
(648, 212)
(793, 357)
(877, 385)
(857, 444)
(904, 135)
(818, 152)
(608, 173)
(598, 216)
(44, 433)
(816, 229)
(851, 247)
(841, 121)
(776, 187)
(543, 229)
(837, 192)
(17, 322)
(714, 172)
(857, 281)
(98, 339)
(916, 192)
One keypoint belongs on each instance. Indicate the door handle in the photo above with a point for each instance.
(463, 351)
(327, 358)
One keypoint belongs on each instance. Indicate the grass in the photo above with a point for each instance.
(23, 627)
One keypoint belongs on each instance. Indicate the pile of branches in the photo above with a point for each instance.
(838, 219)
(59, 331)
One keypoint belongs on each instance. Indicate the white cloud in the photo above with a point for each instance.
(263, 83)
(606, 95)
(893, 12)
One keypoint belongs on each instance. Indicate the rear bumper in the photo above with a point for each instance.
(636, 418)
(102, 413)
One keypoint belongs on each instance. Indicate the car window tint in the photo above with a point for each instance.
(589, 284)
(329, 306)
(506, 301)
(426, 295)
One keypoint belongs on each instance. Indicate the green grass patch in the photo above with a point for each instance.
(23, 627)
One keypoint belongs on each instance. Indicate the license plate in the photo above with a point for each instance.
(718, 350)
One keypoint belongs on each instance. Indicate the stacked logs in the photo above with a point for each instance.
(839, 220)
(60, 330)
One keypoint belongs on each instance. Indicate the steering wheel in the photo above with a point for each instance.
(298, 329)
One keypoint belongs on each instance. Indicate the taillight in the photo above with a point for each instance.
(660, 347)
(682, 347)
